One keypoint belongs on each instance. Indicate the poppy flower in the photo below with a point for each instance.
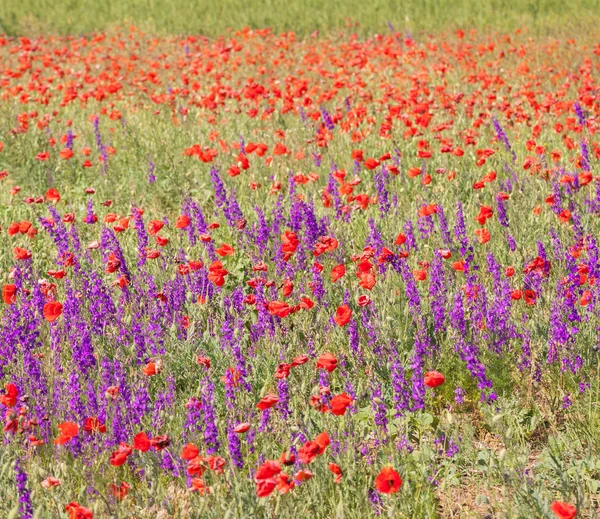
(343, 315)
(289, 242)
(68, 431)
(287, 458)
(9, 398)
(9, 294)
(76, 511)
(371, 163)
(485, 212)
(420, 274)
(336, 471)
(283, 371)
(52, 195)
(337, 272)
(563, 510)
(483, 235)
(241, 428)
(160, 442)
(266, 478)
(530, 297)
(388, 481)
(155, 226)
(586, 297)
(196, 466)
(339, 403)
(119, 457)
(94, 425)
(322, 440)
(306, 303)
(327, 361)
(434, 379)
(150, 369)
(217, 273)
(199, 485)
(279, 308)
(189, 452)
(564, 216)
(21, 254)
(303, 475)
(215, 463)
(141, 442)
(182, 221)
(225, 250)
(364, 300)
(50, 482)
(299, 360)
(267, 402)
(121, 491)
(308, 452)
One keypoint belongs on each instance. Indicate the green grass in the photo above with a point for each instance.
(551, 17)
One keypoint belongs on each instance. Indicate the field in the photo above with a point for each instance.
(275, 263)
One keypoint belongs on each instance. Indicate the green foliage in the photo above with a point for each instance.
(30, 17)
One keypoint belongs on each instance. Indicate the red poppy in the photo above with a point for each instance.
(68, 431)
(9, 294)
(308, 452)
(289, 242)
(279, 308)
(21, 254)
(337, 272)
(299, 360)
(189, 452)
(94, 425)
(149, 369)
(563, 510)
(483, 235)
(337, 472)
(241, 428)
(9, 398)
(388, 481)
(196, 467)
(322, 440)
(485, 212)
(267, 402)
(586, 297)
(199, 485)
(160, 442)
(371, 163)
(225, 250)
(141, 442)
(303, 475)
(564, 216)
(217, 273)
(339, 403)
(182, 221)
(343, 315)
(364, 300)
(530, 297)
(434, 379)
(76, 511)
(52, 195)
(266, 478)
(420, 274)
(327, 361)
(155, 226)
(119, 457)
(50, 482)
(121, 491)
